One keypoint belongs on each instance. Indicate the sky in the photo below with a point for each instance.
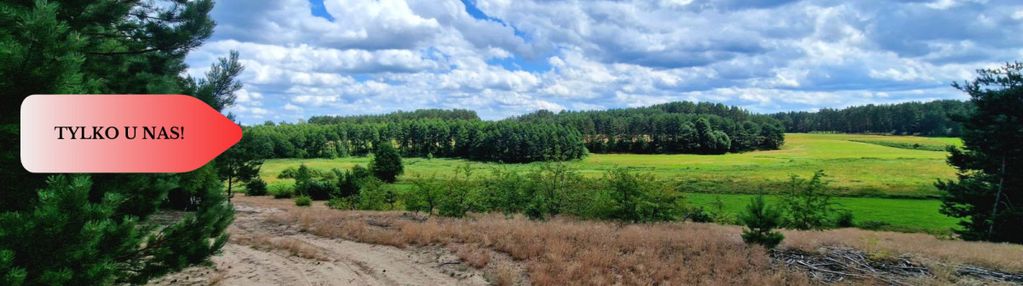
(503, 58)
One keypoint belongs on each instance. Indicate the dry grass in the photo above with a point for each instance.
(561, 252)
(291, 246)
(566, 251)
(927, 248)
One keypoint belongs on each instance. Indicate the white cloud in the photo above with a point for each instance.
(381, 56)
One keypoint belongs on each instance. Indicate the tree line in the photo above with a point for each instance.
(677, 127)
(501, 141)
(680, 127)
(935, 118)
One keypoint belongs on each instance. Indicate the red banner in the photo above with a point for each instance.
(121, 133)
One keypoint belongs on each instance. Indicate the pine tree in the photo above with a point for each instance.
(386, 164)
(761, 220)
(105, 46)
(989, 187)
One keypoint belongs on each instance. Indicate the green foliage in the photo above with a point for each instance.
(386, 164)
(255, 187)
(348, 181)
(639, 198)
(67, 233)
(807, 204)
(935, 118)
(989, 183)
(697, 214)
(761, 220)
(11, 275)
(718, 213)
(342, 203)
(374, 195)
(281, 190)
(845, 219)
(458, 193)
(677, 127)
(196, 236)
(303, 201)
(548, 188)
(241, 162)
(66, 239)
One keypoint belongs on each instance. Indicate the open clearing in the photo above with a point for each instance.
(873, 178)
(852, 166)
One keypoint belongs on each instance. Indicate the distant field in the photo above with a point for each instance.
(857, 165)
(854, 168)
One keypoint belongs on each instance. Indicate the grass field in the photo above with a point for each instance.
(853, 168)
(907, 215)
(873, 177)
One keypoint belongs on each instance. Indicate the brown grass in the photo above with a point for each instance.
(571, 252)
(291, 246)
(565, 252)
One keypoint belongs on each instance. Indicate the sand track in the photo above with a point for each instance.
(255, 256)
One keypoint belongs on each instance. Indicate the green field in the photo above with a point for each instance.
(910, 215)
(853, 168)
(873, 177)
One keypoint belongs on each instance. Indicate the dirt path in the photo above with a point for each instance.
(264, 254)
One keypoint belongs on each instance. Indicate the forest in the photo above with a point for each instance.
(935, 118)
(681, 127)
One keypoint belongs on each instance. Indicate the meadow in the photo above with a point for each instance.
(886, 179)
(853, 168)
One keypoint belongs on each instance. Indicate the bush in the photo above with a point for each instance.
(303, 201)
(255, 187)
(281, 190)
(844, 219)
(374, 195)
(639, 198)
(697, 214)
(386, 163)
(342, 203)
(288, 173)
(806, 203)
(760, 221)
(319, 190)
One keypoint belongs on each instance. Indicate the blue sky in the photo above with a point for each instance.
(504, 58)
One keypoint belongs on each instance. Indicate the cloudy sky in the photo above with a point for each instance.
(505, 57)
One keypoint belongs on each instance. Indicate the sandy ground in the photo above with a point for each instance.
(261, 253)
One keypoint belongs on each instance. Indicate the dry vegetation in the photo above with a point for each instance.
(567, 251)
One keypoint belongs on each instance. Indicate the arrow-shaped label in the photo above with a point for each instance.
(121, 133)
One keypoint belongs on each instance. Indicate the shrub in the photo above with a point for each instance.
(760, 221)
(457, 194)
(386, 163)
(424, 195)
(319, 190)
(373, 195)
(844, 219)
(639, 198)
(342, 203)
(303, 201)
(697, 214)
(281, 190)
(806, 203)
(288, 173)
(255, 187)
